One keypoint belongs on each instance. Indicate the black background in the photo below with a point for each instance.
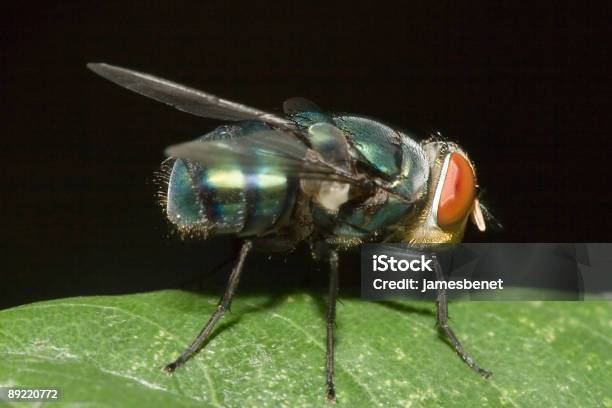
(524, 89)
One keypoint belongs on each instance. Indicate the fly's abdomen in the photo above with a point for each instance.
(227, 200)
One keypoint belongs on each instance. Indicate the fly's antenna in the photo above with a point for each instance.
(490, 219)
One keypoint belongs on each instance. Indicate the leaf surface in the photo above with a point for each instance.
(270, 351)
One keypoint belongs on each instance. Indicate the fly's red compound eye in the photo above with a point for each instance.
(458, 192)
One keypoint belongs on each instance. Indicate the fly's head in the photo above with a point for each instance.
(450, 199)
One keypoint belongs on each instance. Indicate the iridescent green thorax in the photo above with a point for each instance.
(388, 152)
(378, 151)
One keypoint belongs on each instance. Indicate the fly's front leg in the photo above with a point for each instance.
(442, 318)
(331, 322)
(223, 305)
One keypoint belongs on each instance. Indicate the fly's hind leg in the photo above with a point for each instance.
(442, 318)
(223, 305)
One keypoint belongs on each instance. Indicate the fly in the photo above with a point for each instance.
(332, 180)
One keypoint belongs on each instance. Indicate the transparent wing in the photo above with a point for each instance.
(184, 98)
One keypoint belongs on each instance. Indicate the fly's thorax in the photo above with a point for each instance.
(450, 198)
(345, 212)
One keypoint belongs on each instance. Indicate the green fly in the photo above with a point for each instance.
(332, 180)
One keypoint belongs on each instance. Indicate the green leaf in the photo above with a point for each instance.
(270, 351)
